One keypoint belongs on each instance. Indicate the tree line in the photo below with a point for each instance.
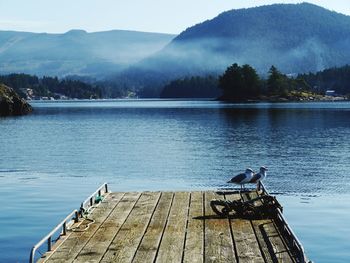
(238, 83)
(51, 86)
(337, 79)
(243, 83)
(192, 87)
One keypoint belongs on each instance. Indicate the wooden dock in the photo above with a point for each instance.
(170, 227)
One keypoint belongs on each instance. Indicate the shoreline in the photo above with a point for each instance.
(281, 100)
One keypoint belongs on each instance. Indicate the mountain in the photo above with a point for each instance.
(296, 38)
(76, 52)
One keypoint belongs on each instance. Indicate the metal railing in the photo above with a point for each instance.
(287, 232)
(90, 201)
(290, 237)
(72, 218)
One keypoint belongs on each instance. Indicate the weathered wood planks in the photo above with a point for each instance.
(247, 247)
(69, 249)
(194, 246)
(171, 247)
(170, 227)
(218, 239)
(277, 251)
(95, 249)
(150, 242)
(125, 243)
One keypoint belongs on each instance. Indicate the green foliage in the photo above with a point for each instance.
(240, 83)
(294, 37)
(243, 83)
(192, 87)
(281, 85)
(277, 83)
(51, 86)
(337, 79)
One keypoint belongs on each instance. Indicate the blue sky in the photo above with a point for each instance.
(168, 16)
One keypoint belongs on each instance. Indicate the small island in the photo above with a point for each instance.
(11, 104)
(243, 84)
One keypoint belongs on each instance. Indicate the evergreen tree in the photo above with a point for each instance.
(239, 83)
(277, 83)
(252, 81)
(193, 87)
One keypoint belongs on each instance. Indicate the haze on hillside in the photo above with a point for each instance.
(76, 52)
(295, 38)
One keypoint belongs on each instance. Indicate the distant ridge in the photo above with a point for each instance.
(76, 52)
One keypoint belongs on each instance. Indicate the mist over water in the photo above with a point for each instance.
(53, 159)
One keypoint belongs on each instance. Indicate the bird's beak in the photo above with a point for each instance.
(228, 182)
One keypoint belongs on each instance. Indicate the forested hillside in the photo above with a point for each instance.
(296, 38)
(337, 79)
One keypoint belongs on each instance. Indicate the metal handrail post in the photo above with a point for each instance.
(90, 199)
(291, 236)
(49, 243)
(72, 217)
(48, 237)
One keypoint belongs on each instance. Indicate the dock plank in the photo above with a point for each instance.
(94, 250)
(126, 242)
(171, 227)
(218, 243)
(171, 246)
(265, 248)
(150, 242)
(194, 245)
(272, 242)
(247, 246)
(69, 249)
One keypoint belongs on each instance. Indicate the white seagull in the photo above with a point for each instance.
(261, 175)
(243, 178)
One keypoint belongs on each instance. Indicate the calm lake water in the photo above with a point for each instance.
(53, 159)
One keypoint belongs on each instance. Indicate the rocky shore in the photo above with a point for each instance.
(293, 96)
(11, 104)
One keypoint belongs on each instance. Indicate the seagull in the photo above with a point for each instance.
(261, 175)
(243, 178)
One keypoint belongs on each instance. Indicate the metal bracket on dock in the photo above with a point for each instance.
(91, 200)
(72, 218)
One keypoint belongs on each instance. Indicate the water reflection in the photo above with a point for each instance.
(53, 159)
(304, 146)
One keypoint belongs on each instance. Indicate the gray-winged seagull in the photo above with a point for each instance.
(243, 178)
(261, 175)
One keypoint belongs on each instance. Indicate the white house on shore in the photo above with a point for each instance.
(330, 93)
